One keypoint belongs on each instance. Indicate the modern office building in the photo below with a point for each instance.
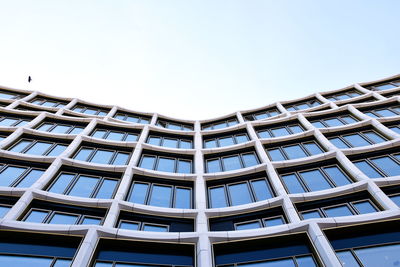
(309, 182)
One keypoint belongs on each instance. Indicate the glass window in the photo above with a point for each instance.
(166, 165)
(213, 165)
(315, 180)
(102, 156)
(276, 154)
(184, 166)
(3, 210)
(107, 188)
(128, 226)
(364, 207)
(310, 214)
(249, 160)
(30, 178)
(231, 163)
(378, 256)
(139, 193)
(337, 175)
(9, 174)
(366, 168)
(356, 140)
(248, 225)
(239, 194)
(292, 183)
(294, 152)
(261, 189)
(280, 131)
(217, 197)
(155, 228)
(333, 122)
(62, 218)
(84, 186)
(147, 162)
(269, 222)
(342, 210)
(183, 198)
(161, 196)
(36, 216)
(336, 141)
(388, 165)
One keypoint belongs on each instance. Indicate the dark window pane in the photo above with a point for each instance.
(336, 141)
(239, 194)
(166, 165)
(147, 162)
(337, 175)
(10, 174)
(36, 216)
(139, 193)
(84, 186)
(356, 140)
(213, 165)
(366, 168)
(161, 196)
(276, 154)
(30, 178)
(60, 218)
(107, 188)
(293, 184)
(364, 207)
(261, 190)
(102, 156)
(315, 180)
(61, 184)
(183, 198)
(313, 148)
(388, 165)
(294, 152)
(338, 211)
(231, 163)
(280, 131)
(217, 197)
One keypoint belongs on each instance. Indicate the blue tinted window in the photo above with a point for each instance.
(83, 154)
(61, 218)
(76, 130)
(276, 154)
(183, 198)
(264, 134)
(366, 168)
(148, 162)
(128, 226)
(388, 165)
(213, 165)
(131, 138)
(161, 196)
(356, 140)
(155, 228)
(261, 189)
(364, 207)
(292, 183)
(296, 129)
(166, 165)
(337, 175)
(347, 259)
(9, 174)
(185, 144)
(231, 163)
(374, 137)
(338, 211)
(294, 152)
(239, 194)
(39, 148)
(99, 133)
(4, 210)
(249, 160)
(173, 143)
(121, 158)
(57, 150)
(241, 138)
(20, 146)
(310, 214)
(315, 180)
(217, 197)
(61, 129)
(91, 220)
(210, 143)
(43, 127)
(273, 221)
(306, 261)
(333, 122)
(117, 136)
(61, 184)
(379, 256)
(84, 186)
(280, 131)
(396, 199)
(23, 261)
(36, 216)
(336, 141)
(184, 166)
(349, 119)
(318, 124)
(248, 225)
(107, 188)
(30, 178)
(313, 148)
(226, 141)
(385, 113)
(102, 156)
(139, 193)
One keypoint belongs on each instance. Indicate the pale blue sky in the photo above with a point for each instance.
(196, 59)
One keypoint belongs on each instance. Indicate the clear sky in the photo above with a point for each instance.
(195, 59)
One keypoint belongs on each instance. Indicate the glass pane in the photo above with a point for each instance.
(349, 119)
(248, 225)
(370, 114)
(274, 221)
(306, 261)
(241, 138)
(129, 225)
(219, 125)
(30, 178)
(60, 218)
(185, 144)
(44, 127)
(226, 141)
(6, 95)
(293, 184)
(121, 159)
(62, 263)
(379, 256)
(166, 165)
(61, 129)
(22, 123)
(231, 163)
(261, 190)
(161, 196)
(210, 143)
(318, 124)
(315, 180)
(147, 162)
(294, 152)
(249, 160)
(310, 214)
(128, 118)
(333, 122)
(264, 134)
(280, 131)
(296, 129)
(20, 146)
(4, 210)
(61, 184)
(115, 136)
(155, 228)
(99, 134)
(388, 165)
(274, 263)
(356, 140)
(91, 220)
(174, 126)
(107, 188)
(23, 261)
(313, 148)
(183, 198)
(337, 175)
(347, 259)
(396, 199)
(239, 194)
(213, 165)
(217, 197)
(385, 113)
(57, 150)
(261, 116)
(167, 142)
(76, 130)
(10, 174)
(90, 111)
(184, 166)
(139, 193)
(131, 138)
(374, 137)
(83, 154)
(395, 129)
(102, 156)
(84, 186)
(384, 87)
(336, 141)
(364, 207)
(367, 169)
(276, 154)
(39, 148)
(338, 211)
(36, 216)
(302, 106)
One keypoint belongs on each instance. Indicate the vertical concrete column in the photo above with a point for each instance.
(86, 249)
